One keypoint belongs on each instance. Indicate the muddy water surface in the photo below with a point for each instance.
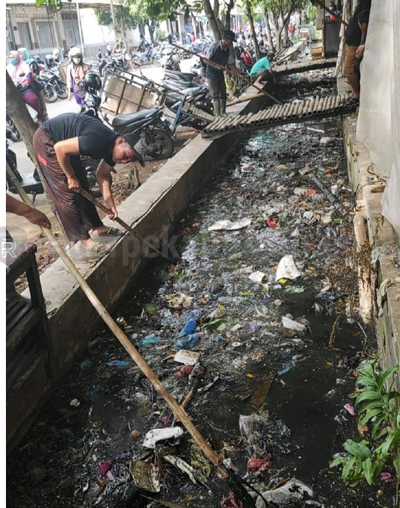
(295, 383)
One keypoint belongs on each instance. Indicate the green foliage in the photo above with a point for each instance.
(160, 34)
(103, 16)
(123, 17)
(57, 4)
(310, 13)
(159, 9)
(379, 409)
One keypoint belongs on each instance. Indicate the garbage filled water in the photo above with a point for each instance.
(256, 327)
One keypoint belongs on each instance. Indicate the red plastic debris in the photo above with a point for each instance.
(350, 409)
(386, 477)
(166, 421)
(184, 371)
(231, 502)
(259, 465)
(272, 223)
(104, 467)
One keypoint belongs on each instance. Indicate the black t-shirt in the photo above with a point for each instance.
(94, 138)
(353, 33)
(220, 55)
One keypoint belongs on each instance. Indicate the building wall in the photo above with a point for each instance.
(41, 30)
(379, 118)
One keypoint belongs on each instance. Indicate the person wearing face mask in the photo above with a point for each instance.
(76, 72)
(37, 85)
(23, 79)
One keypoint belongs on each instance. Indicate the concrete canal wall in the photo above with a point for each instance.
(152, 210)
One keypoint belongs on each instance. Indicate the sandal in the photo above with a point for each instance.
(97, 249)
(109, 232)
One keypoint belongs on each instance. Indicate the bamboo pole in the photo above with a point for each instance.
(249, 98)
(179, 413)
(100, 205)
(214, 65)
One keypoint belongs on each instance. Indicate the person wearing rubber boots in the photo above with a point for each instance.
(221, 52)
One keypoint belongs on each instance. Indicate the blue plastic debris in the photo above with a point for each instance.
(196, 313)
(85, 365)
(149, 340)
(187, 342)
(119, 363)
(189, 328)
(286, 369)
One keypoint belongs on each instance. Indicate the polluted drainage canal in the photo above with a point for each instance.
(256, 327)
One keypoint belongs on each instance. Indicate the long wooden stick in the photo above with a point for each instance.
(179, 413)
(214, 65)
(100, 205)
(249, 98)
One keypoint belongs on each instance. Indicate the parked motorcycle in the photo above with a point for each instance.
(11, 130)
(59, 86)
(154, 139)
(153, 132)
(198, 97)
(49, 92)
(244, 59)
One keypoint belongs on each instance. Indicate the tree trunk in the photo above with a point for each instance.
(16, 108)
(252, 31)
(212, 20)
(229, 8)
(151, 32)
(279, 44)
(268, 29)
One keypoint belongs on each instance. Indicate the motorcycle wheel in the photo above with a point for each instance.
(50, 95)
(136, 62)
(91, 177)
(62, 92)
(159, 144)
(14, 133)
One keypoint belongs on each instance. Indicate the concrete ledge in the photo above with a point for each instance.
(383, 245)
(152, 211)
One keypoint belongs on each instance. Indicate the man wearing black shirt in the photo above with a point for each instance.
(58, 145)
(352, 40)
(221, 53)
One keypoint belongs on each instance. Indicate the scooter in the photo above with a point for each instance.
(153, 133)
(59, 86)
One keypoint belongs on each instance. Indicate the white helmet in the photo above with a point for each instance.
(75, 52)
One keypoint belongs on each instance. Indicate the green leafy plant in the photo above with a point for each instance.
(379, 419)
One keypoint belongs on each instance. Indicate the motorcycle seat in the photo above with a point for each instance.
(122, 120)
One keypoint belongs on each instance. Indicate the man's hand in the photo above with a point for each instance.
(74, 184)
(110, 205)
(39, 218)
(360, 52)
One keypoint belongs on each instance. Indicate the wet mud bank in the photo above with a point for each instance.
(265, 294)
